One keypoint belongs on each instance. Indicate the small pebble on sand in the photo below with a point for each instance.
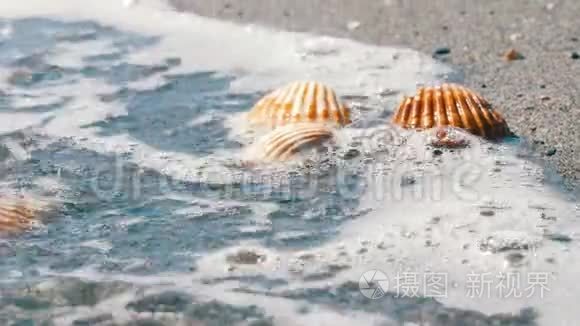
(575, 56)
(515, 36)
(352, 25)
(515, 259)
(441, 51)
(558, 237)
(487, 213)
(513, 54)
(551, 152)
(247, 257)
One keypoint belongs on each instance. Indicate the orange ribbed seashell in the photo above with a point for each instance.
(451, 105)
(283, 143)
(307, 101)
(18, 215)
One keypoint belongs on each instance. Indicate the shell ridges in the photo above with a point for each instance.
(19, 214)
(451, 105)
(302, 101)
(283, 143)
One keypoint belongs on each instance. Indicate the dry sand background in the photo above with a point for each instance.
(539, 95)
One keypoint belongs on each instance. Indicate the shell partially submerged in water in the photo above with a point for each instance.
(307, 101)
(449, 137)
(451, 105)
(285, 142)
(20, 214)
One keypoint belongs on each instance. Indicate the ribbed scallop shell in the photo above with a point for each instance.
(283, 143)
(451, 105)
(18, 215)
(307, 101)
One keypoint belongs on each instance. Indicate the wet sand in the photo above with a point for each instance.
(538, 94)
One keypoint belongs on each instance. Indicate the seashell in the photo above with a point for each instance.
(307, 101)
(283, 143)
(451, 105)
(446, 137)
(19, 214)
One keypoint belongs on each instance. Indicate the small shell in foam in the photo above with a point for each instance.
(18, 215)
(449, 137)
(282, 144)
(304, 101)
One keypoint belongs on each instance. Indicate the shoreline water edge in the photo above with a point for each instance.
(539, 91)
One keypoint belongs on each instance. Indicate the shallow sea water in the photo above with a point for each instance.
(130, 119)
